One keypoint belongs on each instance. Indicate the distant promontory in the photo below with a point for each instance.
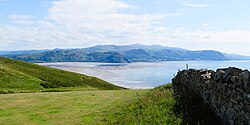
(119, 54)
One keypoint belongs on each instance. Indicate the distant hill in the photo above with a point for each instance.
(237, 57)
(27, 76)
(21, 52)
(124, 54)
(75, 55)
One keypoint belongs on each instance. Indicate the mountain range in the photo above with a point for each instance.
(120, 54)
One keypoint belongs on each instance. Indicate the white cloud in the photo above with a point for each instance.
(197, 5)
(104, 22)
(98, 15)
(81, 23)
(21, 19)
(23, 22)
(206, 26)
(17, 17)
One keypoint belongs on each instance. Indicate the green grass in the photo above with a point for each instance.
(156, 108)
(12, 79)
(19, 75)
(74, 107)
(45, 95)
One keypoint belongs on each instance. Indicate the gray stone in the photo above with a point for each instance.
(239, 98)
(219, 75)
(206, 76)
(226, 91)
(242, 113)
(231, 122)
(247, 108)
(203, 71)
(231, 86)
(247, 88)
(246, 97)
(223, 109)
(234, 101)
(233, 79)
(245, 76)
(232, 71)
(245, 102)
(247, 116)
(239, 90)
(237, 108)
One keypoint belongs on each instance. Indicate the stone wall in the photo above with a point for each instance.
(226, 92)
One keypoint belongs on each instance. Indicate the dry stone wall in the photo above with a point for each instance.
(226, 92)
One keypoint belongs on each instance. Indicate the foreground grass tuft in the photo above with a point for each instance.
(155, 108)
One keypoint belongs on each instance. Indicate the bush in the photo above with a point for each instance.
(3, 92)
(10, 92)
(56, 90)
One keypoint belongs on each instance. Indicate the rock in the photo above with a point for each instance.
(228, 79)
(223, 109)
(245, 79)
(232, 71)
(242, 113)
(203, 71)
(247, 118)
(237, 108)
(239, 90)
(246, 97)
(247, 108)
(247, 88)
(246, 74)
(230, 86)
(219, 74)
(240, 79)
(233, 79)
(231, 122)
(234, 101)
(239, 98)
(206, 76)
(245, 102)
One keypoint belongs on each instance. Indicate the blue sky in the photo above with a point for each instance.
(192, 24)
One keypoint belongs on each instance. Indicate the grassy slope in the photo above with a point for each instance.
(90, 107)
(22, 75)
(156, 108)
(75, 107)
(12, 79)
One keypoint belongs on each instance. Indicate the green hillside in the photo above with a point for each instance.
(108, 107)
(19, 75)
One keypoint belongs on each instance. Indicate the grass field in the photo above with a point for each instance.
(93, 107)
(155, 108)
(74, 107)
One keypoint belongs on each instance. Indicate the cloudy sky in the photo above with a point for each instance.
(222, 25)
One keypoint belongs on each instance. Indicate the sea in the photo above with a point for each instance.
(142, 75)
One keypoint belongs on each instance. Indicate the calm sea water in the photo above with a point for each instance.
(141, 75)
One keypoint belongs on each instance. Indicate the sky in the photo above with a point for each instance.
(222, 25)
